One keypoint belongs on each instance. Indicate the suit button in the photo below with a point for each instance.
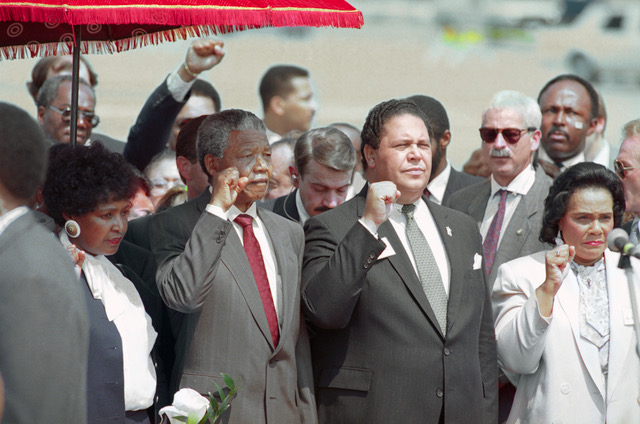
(366, 265)
(446, 352)
(372, 256)
(565, 388)
(272, 363)
(439, 393)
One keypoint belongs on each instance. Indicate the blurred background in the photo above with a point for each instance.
(458, 51)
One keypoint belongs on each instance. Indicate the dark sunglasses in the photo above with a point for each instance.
(621, 170)
(510, 135)
(91, 118)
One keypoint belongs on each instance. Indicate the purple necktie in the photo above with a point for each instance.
(254, 254)
(490, 244)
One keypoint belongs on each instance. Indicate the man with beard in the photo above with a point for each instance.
(324, 161)
(509, 205)
(444, 180)
(569, 106)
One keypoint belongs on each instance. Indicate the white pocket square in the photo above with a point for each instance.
(477, 261)
(388, 251)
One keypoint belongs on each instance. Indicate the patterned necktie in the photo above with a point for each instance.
(254, 254)
(490, 244)
(428, 271)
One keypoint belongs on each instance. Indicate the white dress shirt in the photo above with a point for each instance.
(517, 188)
(302, 212)
(263, 240)
(438, 185)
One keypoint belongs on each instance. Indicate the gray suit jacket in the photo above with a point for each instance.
(379, 355)
(203, 271)
(44, 331)
(521, 236)
(457, 181)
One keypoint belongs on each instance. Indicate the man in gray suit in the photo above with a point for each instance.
(394, 284)
(510, 157)
(234, 270)
(508, 207)
(444, 180)
(43, 315)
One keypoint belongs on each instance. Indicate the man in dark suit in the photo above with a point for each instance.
(396, 287)
(444, 180)
(324, 160)
(43, 314)
(234, 270)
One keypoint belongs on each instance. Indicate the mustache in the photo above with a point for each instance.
(322, 209)
(556, 129)
(500, 153)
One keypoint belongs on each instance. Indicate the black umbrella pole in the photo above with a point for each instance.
(75, 84)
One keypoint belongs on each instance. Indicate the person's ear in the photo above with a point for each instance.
(295, 176)
(211, 164)
(276, 104)
(41, 111)
(184, 167)
(445, 140)
(370, 156)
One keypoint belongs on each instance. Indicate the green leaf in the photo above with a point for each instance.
(181, 418)
(228, 381)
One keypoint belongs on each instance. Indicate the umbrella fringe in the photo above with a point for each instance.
(337, 19)
(109, 46)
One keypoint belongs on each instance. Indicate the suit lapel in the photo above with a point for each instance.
(568, 298)
(287, 263)
(478, 204)
(290, 208)
(621, 336)
(235, 258)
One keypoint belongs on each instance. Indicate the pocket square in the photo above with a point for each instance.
(477, 261)
(388, 250)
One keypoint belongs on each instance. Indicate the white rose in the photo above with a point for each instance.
(186, 402)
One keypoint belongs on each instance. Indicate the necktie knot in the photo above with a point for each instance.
(408, 210)
(244, 220)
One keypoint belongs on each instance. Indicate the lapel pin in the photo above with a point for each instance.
(449, 232)
(519, 232)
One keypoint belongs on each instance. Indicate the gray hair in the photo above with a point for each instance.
(526, 107)
(49, 89)
(328, 146)
(631, 129)
(213, 133)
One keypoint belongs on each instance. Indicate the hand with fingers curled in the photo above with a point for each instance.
(557, 267)
(227, 184)
(203, 54)
(380, 199)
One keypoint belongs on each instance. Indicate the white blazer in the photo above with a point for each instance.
(556, 372)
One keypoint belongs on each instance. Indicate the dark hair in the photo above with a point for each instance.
(277, 82)
(49, 89)
(593, 94)
(435, 112)
(23, 152)
(580, 176)
(205, 89)
(213, 133)
(328, 146)
(81, 178)
(380, 114)
(41, 70)
(186, 141)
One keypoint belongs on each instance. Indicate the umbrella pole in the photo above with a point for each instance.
(75, 84)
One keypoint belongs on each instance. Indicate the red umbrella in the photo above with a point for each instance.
(53, 27)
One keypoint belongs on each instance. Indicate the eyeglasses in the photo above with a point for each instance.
(621, 170)
(510, 135)
(89, 117)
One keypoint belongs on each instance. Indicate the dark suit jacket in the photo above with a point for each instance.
(151, 131)
(44, 331)
(116, 146)
(457, 181)
(204, 272)
(284, 206)
(521, 236)
(379, 355)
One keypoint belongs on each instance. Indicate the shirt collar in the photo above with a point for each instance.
(519, 185)
(302, 212)
(233, 212)
(438, 185)
(7, 218)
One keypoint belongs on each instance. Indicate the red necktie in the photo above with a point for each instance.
(254, 254)
(490, 244)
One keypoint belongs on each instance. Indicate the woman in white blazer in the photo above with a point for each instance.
(564, 325)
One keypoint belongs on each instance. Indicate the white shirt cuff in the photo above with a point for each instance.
(370, 226)
(177, 87)
(217, 211)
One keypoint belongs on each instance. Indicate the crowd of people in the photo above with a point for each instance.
(338, 274)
